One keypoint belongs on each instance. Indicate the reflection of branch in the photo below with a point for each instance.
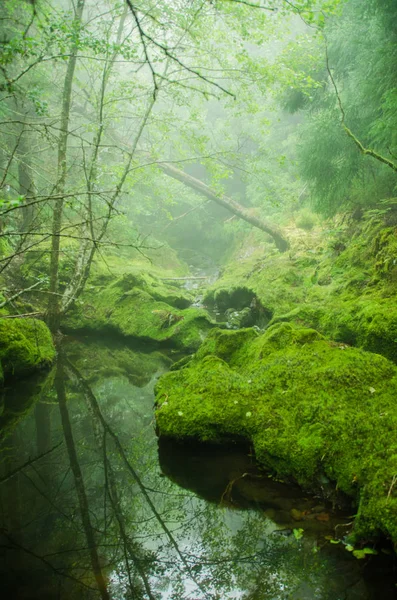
(363, 150)
(14, 545)
(111, 489)
(48, 499)
(78, 480)
(108, 430)
(28, 463)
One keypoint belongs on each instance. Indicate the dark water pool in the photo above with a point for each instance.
(89, 496)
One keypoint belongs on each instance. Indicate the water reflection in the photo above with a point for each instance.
(88, 511)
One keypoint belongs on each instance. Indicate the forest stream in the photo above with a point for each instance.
(195, 521)
(198, 283)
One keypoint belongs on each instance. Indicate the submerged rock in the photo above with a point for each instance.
(25, 346)
(313, 409)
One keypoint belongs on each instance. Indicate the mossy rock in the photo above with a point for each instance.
(313, 410)
(129, 311)
(25, 345)
(345, 287)
(225, 343)
(135, 279)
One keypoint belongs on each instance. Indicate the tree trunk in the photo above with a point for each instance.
(53, 304)
(88, 249)
(231, 205)
(234, 207)
(26, 183)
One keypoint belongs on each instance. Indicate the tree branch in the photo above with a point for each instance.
(28, 463)
(360, 146)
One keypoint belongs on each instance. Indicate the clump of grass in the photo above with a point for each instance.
(306, 220)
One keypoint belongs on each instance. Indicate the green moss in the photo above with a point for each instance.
(225, 343)
(310, 407)
(385, 250)
(134, 279)
(25, 345)
(124, 308)
(342, 283)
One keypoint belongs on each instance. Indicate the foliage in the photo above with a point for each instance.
(306, 220)
(362, 57)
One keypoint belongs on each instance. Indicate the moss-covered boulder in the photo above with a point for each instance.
(313, 409)
(25, 346)
(131, 308)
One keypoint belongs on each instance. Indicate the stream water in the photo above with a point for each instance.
(169, 521)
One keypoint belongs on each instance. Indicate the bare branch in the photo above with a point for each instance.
(28, 463)
(144, 36)
(19, 294)
(252, 5)
(361, 147)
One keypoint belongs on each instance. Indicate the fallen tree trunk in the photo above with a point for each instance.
(231, 205)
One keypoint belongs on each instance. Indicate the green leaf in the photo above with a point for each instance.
(360, 554)
(298, 533)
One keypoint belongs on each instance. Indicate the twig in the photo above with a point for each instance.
(146, 37)
(363, 150)
(393, 482)
(32, 314)
(19, 293)
(28, 463)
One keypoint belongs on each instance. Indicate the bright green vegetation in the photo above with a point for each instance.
(145, 143)
(314, 410)
(362, 56)
(25, 346)
(142, 307)
(341, 282)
